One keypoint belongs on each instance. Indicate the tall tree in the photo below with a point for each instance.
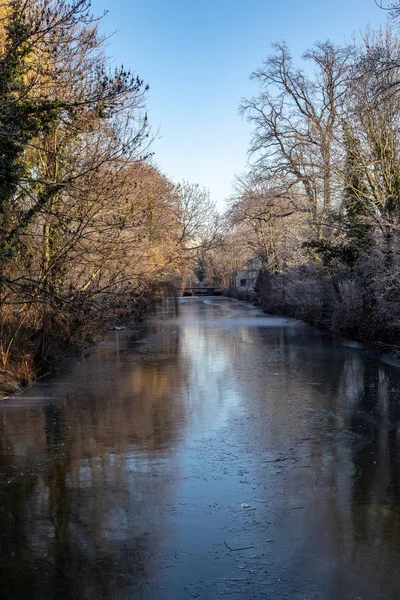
(296, 118)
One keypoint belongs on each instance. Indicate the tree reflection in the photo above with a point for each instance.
(74, 517)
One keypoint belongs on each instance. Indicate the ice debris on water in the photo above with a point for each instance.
(244, 505)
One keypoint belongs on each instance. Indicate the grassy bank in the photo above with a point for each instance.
(35, 342)
(357, 307)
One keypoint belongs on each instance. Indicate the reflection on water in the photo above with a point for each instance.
(131, 472)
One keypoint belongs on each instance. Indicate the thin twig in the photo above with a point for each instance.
(236, 549)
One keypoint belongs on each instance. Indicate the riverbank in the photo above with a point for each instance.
(35, 351)
(330, 305)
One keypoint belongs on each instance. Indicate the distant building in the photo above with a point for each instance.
(246, 278)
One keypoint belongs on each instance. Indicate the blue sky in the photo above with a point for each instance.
(197, 56)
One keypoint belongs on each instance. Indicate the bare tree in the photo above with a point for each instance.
(295, 120)
(265, 217)
(393, 8)
(371, 128)
(197, 216)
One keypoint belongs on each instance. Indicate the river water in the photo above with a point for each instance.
(214, 452)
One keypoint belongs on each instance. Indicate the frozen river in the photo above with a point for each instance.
(213, 453)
